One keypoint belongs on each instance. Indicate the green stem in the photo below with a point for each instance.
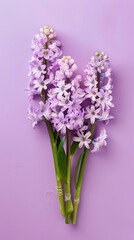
(57, 172)
(69, 205)
(54, 150)
(82, 168)
(79, 184)
(80, 179)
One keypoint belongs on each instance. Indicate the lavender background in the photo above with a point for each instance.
(29, 207)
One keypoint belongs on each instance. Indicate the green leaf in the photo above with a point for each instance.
(62, 159)
(58, 141)
(57, 138)
(55, 135)
(77, 168)
(74, 147)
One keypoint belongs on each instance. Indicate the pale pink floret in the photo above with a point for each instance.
(92, 113)
(104, 99)
(83, 139)
(100, 141)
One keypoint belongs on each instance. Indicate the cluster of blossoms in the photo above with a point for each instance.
(98, 90)
(64, 98)
(63, 104)
(46, 50)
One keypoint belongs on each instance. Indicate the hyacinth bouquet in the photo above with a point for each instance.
(72, 107)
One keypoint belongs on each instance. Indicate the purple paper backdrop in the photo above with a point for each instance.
(29, 207)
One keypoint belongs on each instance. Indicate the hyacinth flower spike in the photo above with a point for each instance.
(46, 50)
(101, 101)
